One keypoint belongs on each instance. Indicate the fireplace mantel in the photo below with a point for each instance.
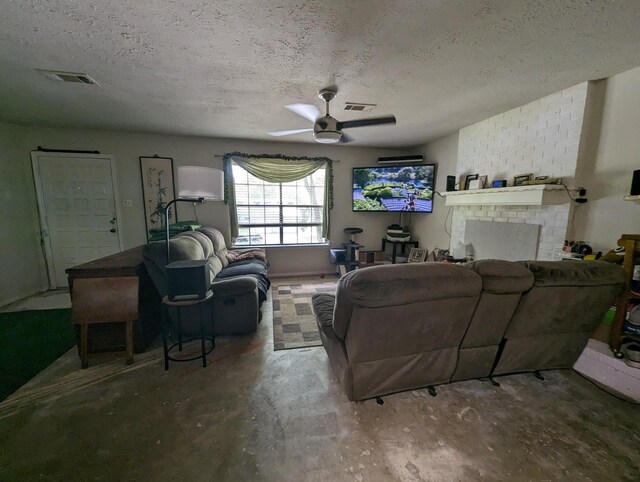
(535, 195)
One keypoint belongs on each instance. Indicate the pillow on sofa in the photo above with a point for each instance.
(234, 256)
(242, 269)
(253, 268)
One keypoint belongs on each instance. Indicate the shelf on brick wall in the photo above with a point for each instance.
(536, 195)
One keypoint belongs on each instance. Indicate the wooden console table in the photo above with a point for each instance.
(125, 263)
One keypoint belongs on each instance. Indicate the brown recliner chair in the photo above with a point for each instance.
(396, 327)
(503, 284)
(554, 319)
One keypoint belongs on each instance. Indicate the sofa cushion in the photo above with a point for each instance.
(574, 273)
(323, 304)
(242, 269)
(402, 284)
(219, 244)
(205, 242)
(215, 266)
(502, 277)
(184, 248)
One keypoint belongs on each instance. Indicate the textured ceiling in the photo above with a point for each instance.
(227, 68)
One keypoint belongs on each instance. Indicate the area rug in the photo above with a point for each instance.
(29, 342)
(294, 324)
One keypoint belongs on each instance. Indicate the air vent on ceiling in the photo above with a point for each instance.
(358, 106)
(75, 77)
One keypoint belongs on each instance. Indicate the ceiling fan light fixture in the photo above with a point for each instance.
(327, 137)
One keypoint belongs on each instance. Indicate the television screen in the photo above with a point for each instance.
(394, 188)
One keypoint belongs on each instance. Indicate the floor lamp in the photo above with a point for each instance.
(195, 185)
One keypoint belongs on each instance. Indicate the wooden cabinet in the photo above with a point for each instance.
(631, 244)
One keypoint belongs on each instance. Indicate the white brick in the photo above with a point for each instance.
(542, 138)
(546, 246)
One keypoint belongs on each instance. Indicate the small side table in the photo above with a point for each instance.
(178, 305)
(395, 244)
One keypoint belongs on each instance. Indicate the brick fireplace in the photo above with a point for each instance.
(541, 138)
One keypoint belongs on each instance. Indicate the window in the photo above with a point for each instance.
(279, 213)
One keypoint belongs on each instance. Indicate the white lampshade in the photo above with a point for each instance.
(200, 182)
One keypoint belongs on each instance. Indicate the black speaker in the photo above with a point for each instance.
(635, 183)
(188, 280)
(451, 183)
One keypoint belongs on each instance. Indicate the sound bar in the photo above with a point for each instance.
(401, 160)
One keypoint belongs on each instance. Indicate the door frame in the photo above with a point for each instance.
(45, 239)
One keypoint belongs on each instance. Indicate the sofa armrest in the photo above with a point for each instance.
(234, 286)
(323, 306)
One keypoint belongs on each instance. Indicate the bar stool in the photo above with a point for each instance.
(105, 300)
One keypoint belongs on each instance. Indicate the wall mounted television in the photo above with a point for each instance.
(394, 188)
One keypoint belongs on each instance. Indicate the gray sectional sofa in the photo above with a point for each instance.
(239, 287)
(399, 327)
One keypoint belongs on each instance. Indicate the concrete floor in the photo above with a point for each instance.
(255, 414)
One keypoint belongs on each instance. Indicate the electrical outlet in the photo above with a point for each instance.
(127, 203)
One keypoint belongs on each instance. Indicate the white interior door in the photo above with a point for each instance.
(78, 212)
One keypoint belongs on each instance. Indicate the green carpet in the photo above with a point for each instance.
(29, 342)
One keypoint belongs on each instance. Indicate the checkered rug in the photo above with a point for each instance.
(294, 324)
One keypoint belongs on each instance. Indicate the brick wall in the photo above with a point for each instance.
(553, 221)
(541, 138)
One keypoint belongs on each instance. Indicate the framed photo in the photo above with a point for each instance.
(158, 189)
(417, 255)
(474, 184)
(518, 180)
(470, 177)
(483, 181)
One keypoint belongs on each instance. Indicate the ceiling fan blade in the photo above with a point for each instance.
(374, 121)
(288, 133)
(307, 111)
(346, 138)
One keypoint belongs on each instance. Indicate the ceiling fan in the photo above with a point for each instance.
(327, 129)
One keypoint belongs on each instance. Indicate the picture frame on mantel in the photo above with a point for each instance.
(469, 178)
(158, 188)
(520, 179)
(474, 184)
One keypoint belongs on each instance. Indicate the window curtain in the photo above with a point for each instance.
(276, 168)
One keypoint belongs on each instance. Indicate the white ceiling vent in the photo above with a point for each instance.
(358, 106)
(75, 77)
